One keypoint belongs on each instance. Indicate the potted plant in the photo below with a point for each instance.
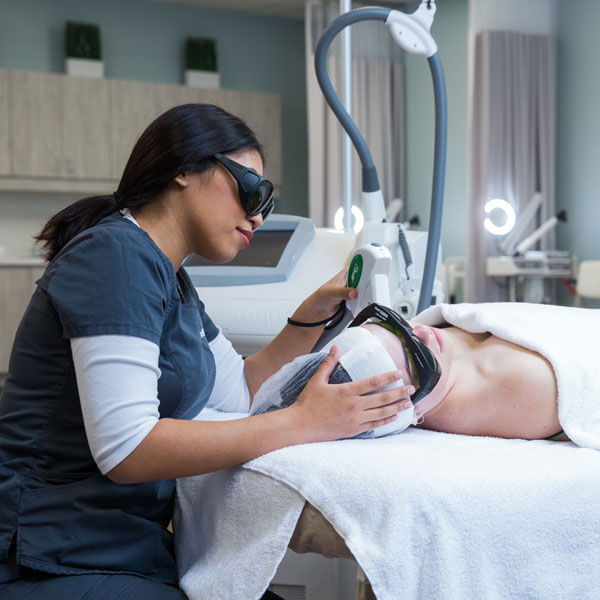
(201, 63)
(82, 49)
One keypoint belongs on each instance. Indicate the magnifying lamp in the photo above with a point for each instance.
(412, 33)
(509, 212)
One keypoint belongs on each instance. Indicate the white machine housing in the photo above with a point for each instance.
(251, 303)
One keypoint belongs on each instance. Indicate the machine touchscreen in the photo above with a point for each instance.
(264, 251)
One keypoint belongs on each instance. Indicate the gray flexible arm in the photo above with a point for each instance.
(370, 183)
(439, 174)
(369, 174)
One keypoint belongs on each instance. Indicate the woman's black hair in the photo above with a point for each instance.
(184, 138)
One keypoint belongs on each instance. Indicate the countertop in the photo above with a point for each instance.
(21, 261)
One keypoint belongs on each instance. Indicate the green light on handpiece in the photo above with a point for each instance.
(355, 271)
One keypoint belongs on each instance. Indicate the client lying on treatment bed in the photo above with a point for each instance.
(427, 514)
(473, 383)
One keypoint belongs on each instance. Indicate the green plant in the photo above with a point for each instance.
(82, 40)
(200, 54)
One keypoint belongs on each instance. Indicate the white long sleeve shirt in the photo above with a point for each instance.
(117, 379)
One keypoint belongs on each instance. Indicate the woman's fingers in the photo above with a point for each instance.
(370, 384)
(328, 365)
(382, 415)
(383, 412)
(375, 424)
(325, 301)
(378, 406)
(343, 291)
(336, 288)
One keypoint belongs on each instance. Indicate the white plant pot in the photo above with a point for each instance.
(202, 79)
(84, 67)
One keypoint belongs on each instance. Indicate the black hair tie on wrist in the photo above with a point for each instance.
(333, 320)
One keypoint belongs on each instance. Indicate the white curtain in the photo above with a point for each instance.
(377, 110)
(512, 145)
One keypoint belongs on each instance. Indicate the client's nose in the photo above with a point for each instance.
(424, 333)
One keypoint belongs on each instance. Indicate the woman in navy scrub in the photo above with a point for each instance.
(115, 356)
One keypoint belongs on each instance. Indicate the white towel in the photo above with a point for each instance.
(426, 514)
(231, 532)
(569, 338)
(231, 529)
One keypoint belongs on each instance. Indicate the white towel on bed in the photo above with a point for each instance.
(231, 528)
(426, 514)
(569, 338)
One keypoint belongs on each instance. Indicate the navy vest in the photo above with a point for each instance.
(69, 518)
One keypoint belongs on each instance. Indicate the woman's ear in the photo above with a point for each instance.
(181, 180)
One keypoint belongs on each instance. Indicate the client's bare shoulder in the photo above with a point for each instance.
(505, 390)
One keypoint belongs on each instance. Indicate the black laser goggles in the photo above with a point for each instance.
(428, 368)
(256, 192)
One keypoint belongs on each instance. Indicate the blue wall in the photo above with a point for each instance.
(450, 31)
(144, 41)
(579, 127)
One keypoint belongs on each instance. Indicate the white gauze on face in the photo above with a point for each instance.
(363, 355)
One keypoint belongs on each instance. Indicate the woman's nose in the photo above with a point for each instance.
(256, 220)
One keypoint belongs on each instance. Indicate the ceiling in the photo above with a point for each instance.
(290, 9)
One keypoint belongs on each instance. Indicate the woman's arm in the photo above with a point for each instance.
(294, 341)
(230, 392)
(176, 448)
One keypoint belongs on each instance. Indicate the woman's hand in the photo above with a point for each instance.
(293, 341)
(332, 411)
(325, 301)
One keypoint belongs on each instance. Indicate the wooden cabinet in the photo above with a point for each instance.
(16, 287)
(59, 126)
(133, 107)
(262, 113)
(35, 125)
(61, 133)
(85, 128)
(168, 96)
(4, 124)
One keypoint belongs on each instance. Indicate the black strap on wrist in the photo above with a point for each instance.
(333, 320)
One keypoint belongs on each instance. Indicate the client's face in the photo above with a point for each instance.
(439, 344)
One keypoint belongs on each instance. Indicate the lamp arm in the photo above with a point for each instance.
(411, 32)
